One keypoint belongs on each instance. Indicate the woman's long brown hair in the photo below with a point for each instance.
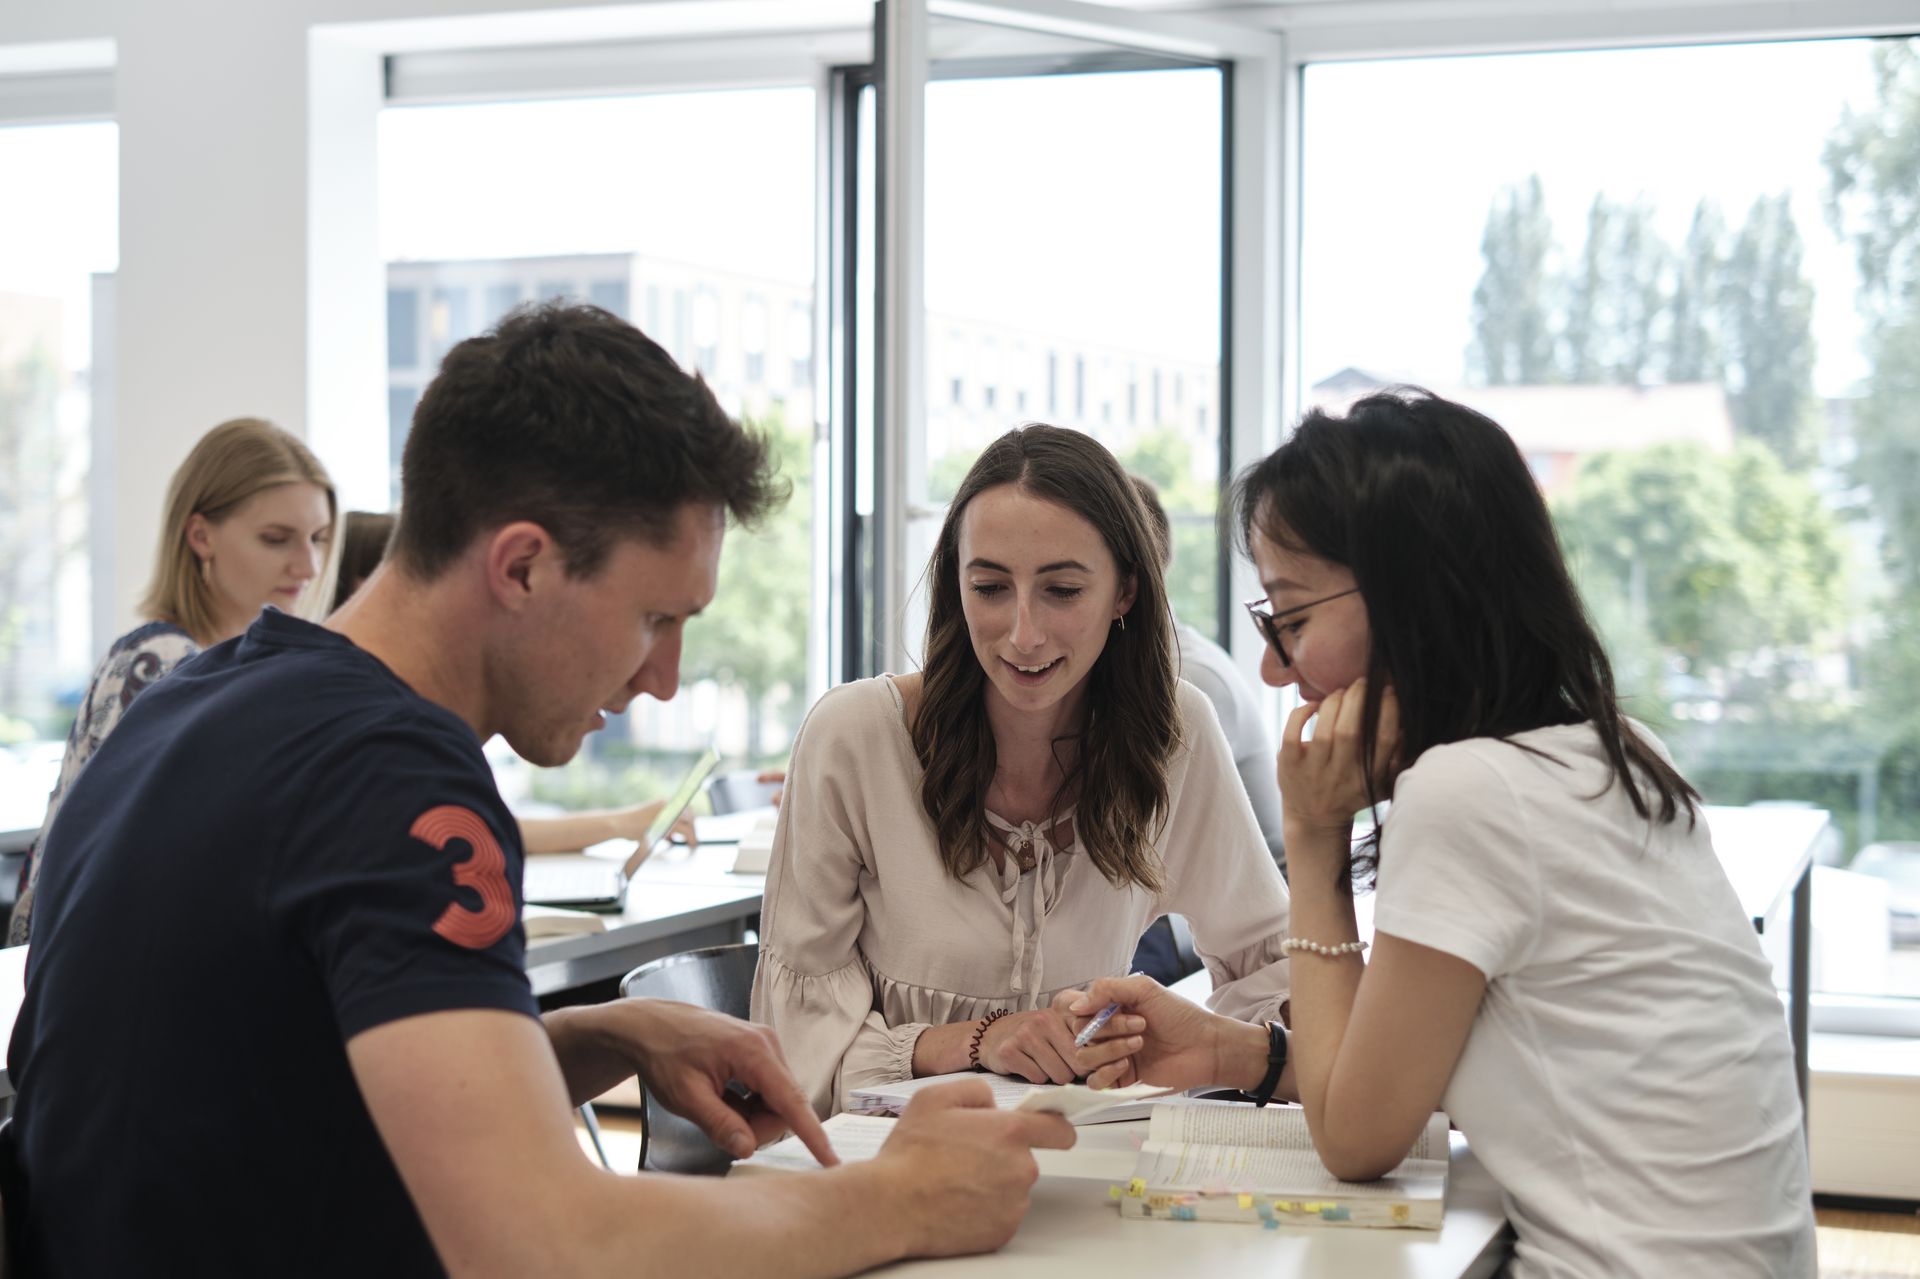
(1115, 761)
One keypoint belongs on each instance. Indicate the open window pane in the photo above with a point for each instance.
(1686, 281)
(691, 214)
(1073, 273)
(59, 230)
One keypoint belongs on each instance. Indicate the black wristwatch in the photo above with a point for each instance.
(1276, 1063)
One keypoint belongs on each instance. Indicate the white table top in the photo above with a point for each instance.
(1073, 1228)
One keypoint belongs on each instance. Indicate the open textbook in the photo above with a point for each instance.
(1078, 1103)
(1100, 1157)
(1226, 1161)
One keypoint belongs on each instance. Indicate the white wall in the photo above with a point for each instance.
(250, 279)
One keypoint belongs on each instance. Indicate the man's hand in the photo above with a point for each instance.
(686, 1056)
(1182, 1045)
(964, 1168)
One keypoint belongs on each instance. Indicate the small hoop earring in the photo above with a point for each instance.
(1121, 621)
(206, 570)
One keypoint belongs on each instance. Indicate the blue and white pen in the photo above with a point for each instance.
(1100, 1019)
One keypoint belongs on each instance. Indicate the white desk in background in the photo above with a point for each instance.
(1768, 853)
(678, 900)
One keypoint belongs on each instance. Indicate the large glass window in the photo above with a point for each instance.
(699, 209)
(1080, 214)
(1073, 212)
(1687, 281)
(59, 229)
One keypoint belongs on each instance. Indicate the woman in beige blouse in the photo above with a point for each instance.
(961, 850)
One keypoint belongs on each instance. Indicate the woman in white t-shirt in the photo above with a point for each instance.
(1559, 961)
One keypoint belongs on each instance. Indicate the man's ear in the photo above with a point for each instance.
(522, 559)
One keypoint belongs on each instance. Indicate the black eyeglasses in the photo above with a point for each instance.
(1267, 622)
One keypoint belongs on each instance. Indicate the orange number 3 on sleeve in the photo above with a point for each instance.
(485, 872)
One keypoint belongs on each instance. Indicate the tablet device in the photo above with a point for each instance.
(594, 883)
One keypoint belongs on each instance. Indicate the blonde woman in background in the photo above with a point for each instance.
(249, 515)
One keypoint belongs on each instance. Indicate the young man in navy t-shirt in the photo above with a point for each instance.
(276, 1017)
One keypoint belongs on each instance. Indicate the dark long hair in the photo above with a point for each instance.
(363, 544)
(1475, 620)
(1117, 757)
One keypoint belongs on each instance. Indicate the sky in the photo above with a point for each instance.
(60, 218)
(1402, 159)
(1072, 204)
(1089, 204)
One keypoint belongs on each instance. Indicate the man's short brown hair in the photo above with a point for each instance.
(571, 418)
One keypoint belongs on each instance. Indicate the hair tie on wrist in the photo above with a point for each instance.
(973, 1050)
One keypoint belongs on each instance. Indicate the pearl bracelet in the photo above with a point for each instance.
(1292, 944)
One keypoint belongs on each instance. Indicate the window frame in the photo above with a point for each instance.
(1456, 29)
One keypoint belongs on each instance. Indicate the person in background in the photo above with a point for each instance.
(1559, 960)
(1211, 669)
(1161, 954)
(247, 522)
(959, 846)
(364, 536)
(342, 1066)
(363, 544)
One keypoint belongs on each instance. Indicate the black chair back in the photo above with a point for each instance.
(716, 977)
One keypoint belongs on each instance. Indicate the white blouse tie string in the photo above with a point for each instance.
(1031, 896)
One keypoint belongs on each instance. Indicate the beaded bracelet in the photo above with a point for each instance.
(973, 1049)
(1292, 944)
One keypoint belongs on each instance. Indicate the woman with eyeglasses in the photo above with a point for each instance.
(1558, 959)
(961, 850)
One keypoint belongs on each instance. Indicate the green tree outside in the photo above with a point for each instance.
(1513, 337)
(754, 635)
(1724, 556)
(1872, 160)
(1767, 331)
(1165, 456)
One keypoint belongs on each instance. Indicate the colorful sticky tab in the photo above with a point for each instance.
(1137, 1187)
(1266, 1211)
(1312, 1206)
(1401, 1214)
(1182, 1213)
(1285, 1205)
(1246, 1201)
(1334, 1212)
(1270, 1223)
(1115, 1192)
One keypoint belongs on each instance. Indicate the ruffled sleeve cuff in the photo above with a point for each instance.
(1250, 984)
(881, 1054)
(817, 1017)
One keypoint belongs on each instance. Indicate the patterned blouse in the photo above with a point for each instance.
(136, 660)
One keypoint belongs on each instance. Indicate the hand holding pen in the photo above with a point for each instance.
(1099, 1022)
